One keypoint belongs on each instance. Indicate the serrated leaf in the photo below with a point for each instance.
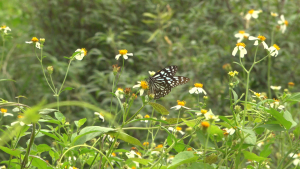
(183, 158)
(283, 118)
(127, 138)
(89, 133)
(174, 120)
(59, 116)
(159, 108)
(251, 156)
(38, 162)
(11, 152)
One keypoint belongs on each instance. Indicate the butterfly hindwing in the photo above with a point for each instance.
(164, 80)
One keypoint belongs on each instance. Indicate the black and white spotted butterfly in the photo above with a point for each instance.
(161, 83)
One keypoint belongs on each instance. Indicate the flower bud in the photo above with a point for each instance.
(139, 116)
(42, 40)
(205, 97)
(50, 69)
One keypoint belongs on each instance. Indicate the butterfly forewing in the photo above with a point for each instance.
(164, 80)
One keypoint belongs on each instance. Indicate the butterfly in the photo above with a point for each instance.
(161, 83)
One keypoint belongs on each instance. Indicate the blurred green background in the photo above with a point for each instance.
(197, 36)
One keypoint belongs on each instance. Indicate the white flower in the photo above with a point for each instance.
(152, 73)
(240, 47)
(17, 109)
(210, 116)
(274, 50)
(202, 111)
(197, 89)
(143, 85)
(20, 123)
(297, 158)
(241, 35)
(274, 14)
(229, 131)
(252, 14)
(283, 23)
(275, 87)
(120, 93)
(276, 105)
(260, 144)
(4, 112)
(259, 39)
(101, 116)
(5, 29)
(72, 158)
(146, 117)
(110, 138)
(36, 41)
(163, 118)
(180, 104)
(133, 154)
(178, 129)
(170, 159)
(79, 56)
(258, 95)
(124, 54)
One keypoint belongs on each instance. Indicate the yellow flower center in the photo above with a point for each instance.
(144, 84)
(251, 11)
(189, 149)
(241, 44)
(262, 38)
(290, 84)
(3, 27)
(34, 39)
(138, 153)
(181, 103)
(257, 94)
(113, 154)
(147, 116)
(205, 124)
(242, 32)
(159, 146)
(198, 85)
(20, 116)
(246, 37)
(203, 111)
(225, 133)
(286, 22)
(178, 128)
(133, 167)
(101, 114)
(3, 110)
(274, 14)
(276, 47)
(145, 143)
(231, 73)
(120, 89)
(123, 51)
(84, 51)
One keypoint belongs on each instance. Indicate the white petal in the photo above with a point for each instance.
(185, 107)
(118, 56)
(234, 51)
(14, 123)
(252, 38)
(238, 35)
(8, 114)
(141, 92)
(38, 45)
(79, 56)
(248, 17)
(129, 54)
(28, 42)
(177, 107)
(282, 18)
(125, 56)
(265, 45)
(296, 162)
(181, 132)
(193, 90)
(171, 129)
(255, 15)
(256, 43)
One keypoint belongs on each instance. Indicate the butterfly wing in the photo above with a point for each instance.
(168, 71)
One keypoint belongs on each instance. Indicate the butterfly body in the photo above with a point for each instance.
(161, 83)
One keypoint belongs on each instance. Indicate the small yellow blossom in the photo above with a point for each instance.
(240, 47)
(180, 104)
(123, 53)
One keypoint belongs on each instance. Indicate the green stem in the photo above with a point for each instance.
(41, 61)
(269, 66)
(25, 159)
(3, 39)
(134, 115)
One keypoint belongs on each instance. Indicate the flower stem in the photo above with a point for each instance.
(25, 159)
(3, 39)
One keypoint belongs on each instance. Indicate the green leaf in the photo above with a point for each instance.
(6, 80)
(200, 165)
(281, 117)
(150, 15)
(59, 116)
(11, 152)
(67, 57)
(272, 127)
(202, 137)
(266, 151)
(127, 138)
(141, 161)
(235, 96)
(191, 123)
(294, 97)
(67, 88)
(215, 130)
(50, 135)
(250, 136)
(80, 122)
(39, 162)
(174, 120)
(251, 156)
(43, 147)
(47, 111)
(153, 35)
(183, 158)
(287, 115)
(159, 108)
(89, 133)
